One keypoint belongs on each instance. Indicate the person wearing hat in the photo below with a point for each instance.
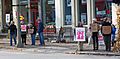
(40, 32)
(13, 33)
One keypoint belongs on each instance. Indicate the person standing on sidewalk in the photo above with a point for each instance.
(40, 32)
(33, 34)
(13, 33)
(106, 30)
(80, 43)
(95, 30)
(23, 32)
(61, 35)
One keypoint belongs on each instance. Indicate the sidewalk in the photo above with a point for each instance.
(54, 48)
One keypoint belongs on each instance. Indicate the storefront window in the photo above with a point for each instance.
(83, 11)
(50, 12)
(103, 9)
(68, 16)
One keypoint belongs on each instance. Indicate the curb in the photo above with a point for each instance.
(95, 53)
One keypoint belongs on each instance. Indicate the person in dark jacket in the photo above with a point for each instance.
(40, 32)
(106, 37)
(33, 34)
(23, 32)
(13, 33)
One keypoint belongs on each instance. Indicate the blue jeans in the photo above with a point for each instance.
(41, 38)
(13, 35)
(33, 38)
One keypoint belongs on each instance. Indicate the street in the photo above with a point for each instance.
(18, 55)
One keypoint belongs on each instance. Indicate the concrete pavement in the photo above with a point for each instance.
(54, 48)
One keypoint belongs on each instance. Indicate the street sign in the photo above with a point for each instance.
(79, 34)
(7, 18)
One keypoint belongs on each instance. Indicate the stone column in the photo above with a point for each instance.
(93, 10)
(90, 11)
(59, 13)
(73, 12)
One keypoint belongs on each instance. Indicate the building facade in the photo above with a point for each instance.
(66, 13)
(70, 12)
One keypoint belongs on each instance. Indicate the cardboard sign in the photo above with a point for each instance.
(30, 31)
(106, 29)
(23, 27)
(94, 27)
(79, 34)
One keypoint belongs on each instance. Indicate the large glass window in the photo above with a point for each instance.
(83, 11)
(68, 16)
(50, 12)
(103, 9)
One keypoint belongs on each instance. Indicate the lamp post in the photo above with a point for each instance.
(40, 10)
(29, 12)
(20, 44)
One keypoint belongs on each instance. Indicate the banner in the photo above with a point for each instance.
(79, 34)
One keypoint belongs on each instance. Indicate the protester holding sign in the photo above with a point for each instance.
(95, 30)
(106, 30)
(23, 32)
(80, 43)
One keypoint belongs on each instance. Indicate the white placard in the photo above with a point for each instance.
(7, 18)
(79, 34)
(23, 28)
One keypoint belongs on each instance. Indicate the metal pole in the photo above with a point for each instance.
(20, 44)
(40, 10)
(29, 12)
(44, 11)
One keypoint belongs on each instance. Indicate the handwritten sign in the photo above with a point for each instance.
(94, 27)
(106, 29)
(79, 34)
